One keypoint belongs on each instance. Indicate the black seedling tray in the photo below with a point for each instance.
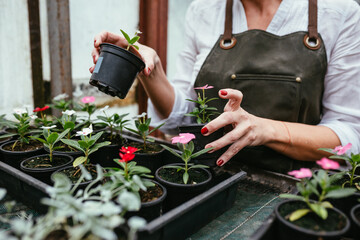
(177, 223)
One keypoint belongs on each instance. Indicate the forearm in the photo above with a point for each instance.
(159, 90)
(300, 141)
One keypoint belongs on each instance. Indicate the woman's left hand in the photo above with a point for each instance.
(248, 130)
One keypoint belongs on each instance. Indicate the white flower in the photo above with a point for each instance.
(33, 117)
(69, 112)
(140, 116)
(20, 110)
(61, 96)
(47, 128)
(104, 108)
(84, 131)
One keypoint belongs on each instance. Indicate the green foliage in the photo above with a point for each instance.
(202, 111)
(321, 186)
(131, 41)
(115, 122)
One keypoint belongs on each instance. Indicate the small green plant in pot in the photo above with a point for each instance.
(61, 102)
(183, 181)
(117, 67)
(311, 207)
(87, 144)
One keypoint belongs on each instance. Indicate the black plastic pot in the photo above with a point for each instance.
(150, 160)
(355, 222)
(180, 193)
(287, 229)
(201, 141)
(44, 174)
(14, 158)
(115, 70)
(105, 155)
(151, 210)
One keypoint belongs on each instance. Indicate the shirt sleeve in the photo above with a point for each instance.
(341, 100)
(182, 81)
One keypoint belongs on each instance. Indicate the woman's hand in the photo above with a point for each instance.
(248, 130)
(147, 54)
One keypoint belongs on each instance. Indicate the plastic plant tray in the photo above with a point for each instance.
(177, 223)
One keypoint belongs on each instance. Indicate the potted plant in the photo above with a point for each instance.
(117, 68)
(349, 177)
(43, 119)
(115, 124)
(60, 102)
(355, 221)
(183, 181)
(13, 152)
(149, 153)
(203, 113)
(87, 144)
(309, 215)
(42, 166)
(151, 193)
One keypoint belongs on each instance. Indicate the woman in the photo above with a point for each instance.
(288, 71)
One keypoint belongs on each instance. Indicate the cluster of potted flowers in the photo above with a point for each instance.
(327, 203)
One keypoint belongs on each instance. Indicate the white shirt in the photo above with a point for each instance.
(339, 26)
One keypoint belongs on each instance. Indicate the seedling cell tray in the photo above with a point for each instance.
(177, 223)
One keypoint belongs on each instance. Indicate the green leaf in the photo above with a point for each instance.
(69, 125)
(298, 214)
(79, 161)
(198, 166)
(170, 150)
(156, 128)
(340, 193)
(319, 210)
(96, 136)
(83, 144)
(97, 146)
(327, 204)
(136, 46)
(132, 130)
(126, 36)
(292, 196)
(185, 177)
(143, 127)
(205, 150)
(73, 144)
(134, 40)
(61, 135)
(52, 138)
(39, 139)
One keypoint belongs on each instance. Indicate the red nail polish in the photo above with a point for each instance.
(204, 130)
(220, 162)
(149, 70)
(223, 92)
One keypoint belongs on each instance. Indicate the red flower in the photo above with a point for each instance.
(41, 109)
(127, 153)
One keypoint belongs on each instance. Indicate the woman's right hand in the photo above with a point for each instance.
(147, 54)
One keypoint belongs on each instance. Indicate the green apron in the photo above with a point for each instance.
(281, 78)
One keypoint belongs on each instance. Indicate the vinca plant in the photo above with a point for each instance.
(131, 41)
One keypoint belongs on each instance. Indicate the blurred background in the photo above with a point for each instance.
(46, 46)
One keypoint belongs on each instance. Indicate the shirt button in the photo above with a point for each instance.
(298, 79)
(233, 76)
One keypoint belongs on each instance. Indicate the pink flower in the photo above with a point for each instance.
(302, 173)
(326, 163)
(183, 138)
(88, 99)
(340, 150)
(204, 87)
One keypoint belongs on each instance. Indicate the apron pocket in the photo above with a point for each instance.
(275, 97)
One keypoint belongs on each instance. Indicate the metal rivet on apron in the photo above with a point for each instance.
(233, 76)
(298, 79)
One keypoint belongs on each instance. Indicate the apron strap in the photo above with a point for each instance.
(311, 40)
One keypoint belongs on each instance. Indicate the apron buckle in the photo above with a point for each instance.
(225, 44)
(310, 44)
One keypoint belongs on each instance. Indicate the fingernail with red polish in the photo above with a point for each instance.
(204, 130)
(149, 70)
(220, 162)
(223, 92)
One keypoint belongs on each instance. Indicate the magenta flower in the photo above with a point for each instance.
(204, 87)
(183, 138)
(302, 173)
(326, 163)
(340, 150)
(88, 99)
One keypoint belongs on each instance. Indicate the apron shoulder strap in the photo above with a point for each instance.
(311, 40)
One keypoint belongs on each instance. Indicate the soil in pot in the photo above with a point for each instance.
(13, 156)
(151, 202)
(151, 157)
(178, 192)
(310, 226)
(41, 168)
(201, 141)
(74, 173)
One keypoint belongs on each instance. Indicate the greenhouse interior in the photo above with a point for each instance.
(180, 119)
